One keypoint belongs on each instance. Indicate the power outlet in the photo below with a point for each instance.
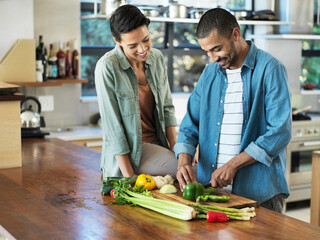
(47, 103)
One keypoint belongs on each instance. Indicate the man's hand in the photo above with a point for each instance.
(185, 174)
(224, 175)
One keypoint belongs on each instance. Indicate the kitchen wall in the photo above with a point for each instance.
(55, 20)
(16, 21)
(59, 20)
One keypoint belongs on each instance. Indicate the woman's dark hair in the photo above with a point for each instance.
(125, 19)
(217, 18)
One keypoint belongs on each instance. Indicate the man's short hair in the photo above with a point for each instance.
(125, 19)
(217, 18)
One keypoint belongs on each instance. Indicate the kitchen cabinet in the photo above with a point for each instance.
(90, 137)
(10, 141)
(315, 190)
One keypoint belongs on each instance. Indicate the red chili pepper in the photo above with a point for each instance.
(113, 193)
(213, 216)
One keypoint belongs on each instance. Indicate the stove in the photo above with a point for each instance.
(305, 140)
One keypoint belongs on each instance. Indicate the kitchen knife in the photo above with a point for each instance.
(207, 185)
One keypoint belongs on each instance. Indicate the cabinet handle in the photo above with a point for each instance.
(94, 144)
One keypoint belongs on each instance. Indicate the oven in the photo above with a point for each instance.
(305, 140)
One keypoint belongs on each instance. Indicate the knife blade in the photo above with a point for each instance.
(207, 185)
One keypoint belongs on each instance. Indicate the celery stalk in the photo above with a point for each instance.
(169, 208)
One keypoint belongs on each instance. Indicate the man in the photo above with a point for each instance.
(240, 116)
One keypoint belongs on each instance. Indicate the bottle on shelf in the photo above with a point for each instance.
(41, 54)
(75, 59)
(68, 56)
(52, 63)
(39, 68)
(61, 61)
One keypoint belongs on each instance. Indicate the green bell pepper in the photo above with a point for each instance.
(193, 190)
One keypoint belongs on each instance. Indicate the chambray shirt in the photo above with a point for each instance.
(266, 129)
(118, 98)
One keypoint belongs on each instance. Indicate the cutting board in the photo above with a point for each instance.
(234, 202)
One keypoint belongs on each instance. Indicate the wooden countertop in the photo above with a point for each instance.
(56, 195)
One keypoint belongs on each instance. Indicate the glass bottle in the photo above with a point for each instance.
(61, 61)
(75, 59)
(68, 56)
(52, 63)
(41, 54)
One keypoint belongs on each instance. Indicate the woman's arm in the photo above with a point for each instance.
(171, 136)
(125, 165)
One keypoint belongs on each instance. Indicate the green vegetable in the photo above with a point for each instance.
(169, 208)
(125, 193)
(214, 198)
(193, 190)
(168, 188)
(232, 213)
(116, 182)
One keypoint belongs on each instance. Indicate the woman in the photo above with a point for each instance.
(135, 102)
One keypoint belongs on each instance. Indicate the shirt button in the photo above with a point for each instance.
(218, 123)
(221, 101)
(213, 165)
(215, 144)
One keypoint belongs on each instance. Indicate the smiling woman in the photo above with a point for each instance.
(135, 102)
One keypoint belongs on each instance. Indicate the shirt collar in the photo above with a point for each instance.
(251, 56)
(124, 61)
(250, 59)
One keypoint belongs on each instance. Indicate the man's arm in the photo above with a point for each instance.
(224, 175)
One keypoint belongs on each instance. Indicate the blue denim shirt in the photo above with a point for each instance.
(266, 127)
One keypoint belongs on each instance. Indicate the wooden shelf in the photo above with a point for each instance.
(192, 20)
(51, 82)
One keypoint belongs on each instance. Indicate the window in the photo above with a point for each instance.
(311, 58)
(183, 56)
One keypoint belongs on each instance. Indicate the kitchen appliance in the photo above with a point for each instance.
(305, 140)
(31, 121)
(150, 11)
(176, 10)
(109, 6)
(197, 13)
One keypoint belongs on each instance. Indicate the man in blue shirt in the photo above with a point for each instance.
(257, 170)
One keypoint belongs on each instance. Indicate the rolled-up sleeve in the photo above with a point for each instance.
(278, 116)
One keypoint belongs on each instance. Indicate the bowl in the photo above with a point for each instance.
(309, 86)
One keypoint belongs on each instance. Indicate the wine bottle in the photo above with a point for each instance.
(68, 56)
(41, 53)
(52, 63)
(75, 59)
(61, 61)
